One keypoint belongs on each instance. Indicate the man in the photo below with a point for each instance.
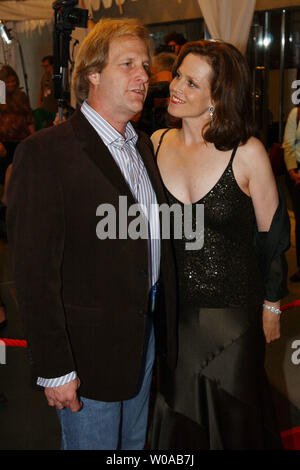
(47, 104)
(85, 300)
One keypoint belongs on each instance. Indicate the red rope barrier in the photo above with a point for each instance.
(22, 343)
(296, 303)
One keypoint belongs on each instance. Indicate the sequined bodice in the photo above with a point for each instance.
(224, 272)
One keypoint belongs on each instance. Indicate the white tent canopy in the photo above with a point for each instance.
(22, 10)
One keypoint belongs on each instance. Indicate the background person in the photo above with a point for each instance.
(154, 113)
(47, 100)
(16, 120)
(46, 111)
(175, 41)
(291, 145)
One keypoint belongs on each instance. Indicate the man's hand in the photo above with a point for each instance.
(64, 396)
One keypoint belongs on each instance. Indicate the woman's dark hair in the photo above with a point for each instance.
(232, 122)
(6, 72)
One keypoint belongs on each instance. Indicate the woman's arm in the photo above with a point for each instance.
(263, 191)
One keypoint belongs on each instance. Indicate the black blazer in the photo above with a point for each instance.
(83, 300)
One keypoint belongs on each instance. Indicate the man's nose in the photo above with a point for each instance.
(142, 74)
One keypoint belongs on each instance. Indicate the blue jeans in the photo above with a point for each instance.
(110, 425)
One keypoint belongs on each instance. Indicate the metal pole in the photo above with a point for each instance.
(3, 51)
(23, 69)
(254, 42)
(206, 32)
(281, 85)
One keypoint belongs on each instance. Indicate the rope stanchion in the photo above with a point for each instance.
(296, 303)
(22, 343)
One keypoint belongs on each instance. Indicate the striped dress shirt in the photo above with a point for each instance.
(124, 151)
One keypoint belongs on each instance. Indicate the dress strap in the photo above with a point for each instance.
(233, 155)
(160, 142)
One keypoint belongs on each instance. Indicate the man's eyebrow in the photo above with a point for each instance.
(131, 58)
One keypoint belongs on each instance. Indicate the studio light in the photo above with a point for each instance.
(4, 32)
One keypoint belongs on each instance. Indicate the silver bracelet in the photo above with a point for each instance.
(272, 309)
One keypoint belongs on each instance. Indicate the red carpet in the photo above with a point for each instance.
(291, 439)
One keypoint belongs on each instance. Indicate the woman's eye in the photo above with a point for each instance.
(191, 84)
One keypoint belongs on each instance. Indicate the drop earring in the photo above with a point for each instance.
(211, 113)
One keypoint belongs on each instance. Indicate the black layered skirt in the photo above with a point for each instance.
(218, 397)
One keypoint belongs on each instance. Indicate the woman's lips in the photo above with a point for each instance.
(174, 99)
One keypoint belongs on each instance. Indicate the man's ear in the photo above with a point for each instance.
(94, 78)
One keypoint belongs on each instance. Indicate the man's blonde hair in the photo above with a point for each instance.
(93, 53)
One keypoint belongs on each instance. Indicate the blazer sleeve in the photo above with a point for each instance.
(35, 227)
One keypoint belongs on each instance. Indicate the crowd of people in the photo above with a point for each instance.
(98, 309)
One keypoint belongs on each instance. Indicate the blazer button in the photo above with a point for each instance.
(143, 313)
(144, 273)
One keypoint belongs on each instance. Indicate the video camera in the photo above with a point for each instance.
(66, 19)
(68, 16)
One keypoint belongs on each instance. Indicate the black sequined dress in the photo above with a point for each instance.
(218, 395)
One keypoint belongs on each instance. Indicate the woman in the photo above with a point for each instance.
(218, 397)
(16, 120)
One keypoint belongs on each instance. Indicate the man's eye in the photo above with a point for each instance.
(191, 84)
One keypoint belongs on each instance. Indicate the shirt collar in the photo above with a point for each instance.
(106, 131)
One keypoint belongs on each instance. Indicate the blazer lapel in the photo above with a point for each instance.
(97, 151)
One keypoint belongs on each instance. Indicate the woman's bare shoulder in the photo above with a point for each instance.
(156, 136)
(254, 153)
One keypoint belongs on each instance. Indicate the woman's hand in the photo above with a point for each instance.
(271, 323)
